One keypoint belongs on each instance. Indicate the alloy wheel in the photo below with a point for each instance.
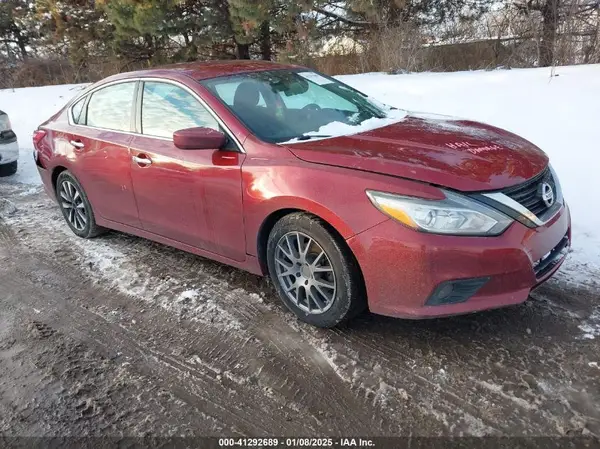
(73, 205)
(305, 272)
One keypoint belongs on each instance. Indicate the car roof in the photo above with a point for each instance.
(207, 69)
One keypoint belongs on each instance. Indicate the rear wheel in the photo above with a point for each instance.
(314, 272)
(76, 207)
(9, 169)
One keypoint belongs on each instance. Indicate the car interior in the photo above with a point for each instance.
(280, 106)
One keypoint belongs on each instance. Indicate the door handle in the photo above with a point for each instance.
(77, 144)
(144, 161)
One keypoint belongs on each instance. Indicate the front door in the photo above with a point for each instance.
(190, 196)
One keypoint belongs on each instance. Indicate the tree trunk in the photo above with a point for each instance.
(21, 40)
(265, 41)
(23, 49)
(242, 50)
(549, 27)
(150, 47)
(591, 47)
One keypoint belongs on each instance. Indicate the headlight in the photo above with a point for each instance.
(4, 123)
(457, 214)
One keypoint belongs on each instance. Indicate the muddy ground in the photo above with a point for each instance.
(122, 336)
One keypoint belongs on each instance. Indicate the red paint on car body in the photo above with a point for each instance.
(441, 152)
(216, 202)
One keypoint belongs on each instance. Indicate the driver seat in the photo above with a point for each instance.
(247, 95)
(245, 105)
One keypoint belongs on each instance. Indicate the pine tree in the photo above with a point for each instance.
(73, 29)
(16, 30)
(370, 14)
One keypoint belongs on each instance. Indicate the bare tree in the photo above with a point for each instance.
(554, 15)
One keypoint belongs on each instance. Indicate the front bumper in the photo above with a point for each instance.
(9, 152)
(403, 268)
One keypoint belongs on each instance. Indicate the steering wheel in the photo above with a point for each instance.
(311, 107)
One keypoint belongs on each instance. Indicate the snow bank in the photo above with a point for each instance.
(27, 109)
(560, 114)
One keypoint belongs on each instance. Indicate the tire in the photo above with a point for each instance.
(76, 207)
(9, 169)
(325, 306)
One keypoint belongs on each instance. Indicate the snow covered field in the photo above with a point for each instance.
(560, 114)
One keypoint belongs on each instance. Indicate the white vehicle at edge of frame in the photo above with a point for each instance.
(9, 147)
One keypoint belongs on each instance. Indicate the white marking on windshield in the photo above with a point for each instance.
(315, 78)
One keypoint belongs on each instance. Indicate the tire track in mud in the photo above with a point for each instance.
(431, 396)
(282, 365)
(7, 237)
(496, 372)
(195, 384)
(52, 384)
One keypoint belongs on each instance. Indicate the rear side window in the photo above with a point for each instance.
(167, 108)
(110, 108)
(76, 112)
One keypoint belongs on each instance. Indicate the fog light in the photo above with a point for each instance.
(445, 290)
(455, 291)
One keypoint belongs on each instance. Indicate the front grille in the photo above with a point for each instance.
(529, 193)
(553, 258)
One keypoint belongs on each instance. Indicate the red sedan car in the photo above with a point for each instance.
(345, 202)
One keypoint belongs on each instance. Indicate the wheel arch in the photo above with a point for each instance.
(264, 230)
(56, 171)
(270, 221)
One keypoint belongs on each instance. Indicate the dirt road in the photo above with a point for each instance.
(118, 335)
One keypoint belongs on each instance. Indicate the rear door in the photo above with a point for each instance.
(190, 196)
(98, 142)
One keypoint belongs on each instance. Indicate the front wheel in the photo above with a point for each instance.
(314, 272)
(76, 207)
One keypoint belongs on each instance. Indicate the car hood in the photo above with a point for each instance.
(454, 153)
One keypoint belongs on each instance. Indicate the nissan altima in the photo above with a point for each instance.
(345, 202)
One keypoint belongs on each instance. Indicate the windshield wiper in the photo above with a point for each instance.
(312, 136)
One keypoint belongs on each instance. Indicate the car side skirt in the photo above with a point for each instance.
(251, 263)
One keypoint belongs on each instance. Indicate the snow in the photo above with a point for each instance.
(591, 327)
(344, 129)
(27, 109)
(558, 113)
(6, 207)
(108, 264)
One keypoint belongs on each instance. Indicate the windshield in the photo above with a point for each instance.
(295, 105)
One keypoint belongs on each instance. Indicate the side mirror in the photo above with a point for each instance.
(198, 139)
